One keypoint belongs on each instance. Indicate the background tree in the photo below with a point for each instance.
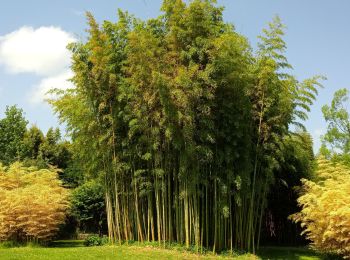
(32, 140)
(336, 141)
(88, 206)
(12, 130)
(53, 150)
(33, 148)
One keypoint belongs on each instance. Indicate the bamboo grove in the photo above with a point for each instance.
(183, 123)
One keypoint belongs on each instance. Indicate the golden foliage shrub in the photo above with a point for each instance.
(32, 203)
(325, 213)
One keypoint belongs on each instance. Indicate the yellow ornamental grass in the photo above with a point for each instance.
(32, 203)
(325, 213)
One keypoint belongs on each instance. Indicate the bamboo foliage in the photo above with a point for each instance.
(325, 210)
(183, 123)
(32, 203)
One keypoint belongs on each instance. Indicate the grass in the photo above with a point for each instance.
(75, 249)
(71, 250)
(291, 253)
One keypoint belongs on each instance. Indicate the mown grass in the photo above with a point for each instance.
(292, 253)
(74, 250)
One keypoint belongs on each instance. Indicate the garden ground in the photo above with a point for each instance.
(61, 250)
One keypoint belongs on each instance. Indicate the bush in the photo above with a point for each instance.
(88, 206)
(95, 240)
(10, 244)
(32, 203)
(68, 229)
(325, 210)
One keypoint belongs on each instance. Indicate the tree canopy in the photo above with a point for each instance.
(12, 130)
(336, 141)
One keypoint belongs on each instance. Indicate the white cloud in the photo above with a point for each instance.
(41, 51)
(59, 81)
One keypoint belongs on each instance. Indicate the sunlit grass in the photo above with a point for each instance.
(74, 250)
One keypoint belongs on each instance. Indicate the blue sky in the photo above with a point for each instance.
(33, 35)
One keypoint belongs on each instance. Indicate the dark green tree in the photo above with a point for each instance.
(12, 130)
(32, 140)
(297, 162)
(53, 150)
(88, 207)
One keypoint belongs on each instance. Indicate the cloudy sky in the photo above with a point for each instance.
(34, 34)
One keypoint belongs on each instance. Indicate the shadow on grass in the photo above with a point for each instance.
(66, 243)
(292, 253)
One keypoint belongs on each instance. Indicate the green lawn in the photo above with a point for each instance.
(290, 253)
(62, 250)
(74, 250)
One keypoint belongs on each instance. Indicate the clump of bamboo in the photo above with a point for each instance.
(325, 210)
(183, 122)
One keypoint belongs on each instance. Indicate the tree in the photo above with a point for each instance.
(32, 140)
(30, 146)
(53, 150)
(12, 130)
(88, 206)
(50, 150)
(336, 141)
